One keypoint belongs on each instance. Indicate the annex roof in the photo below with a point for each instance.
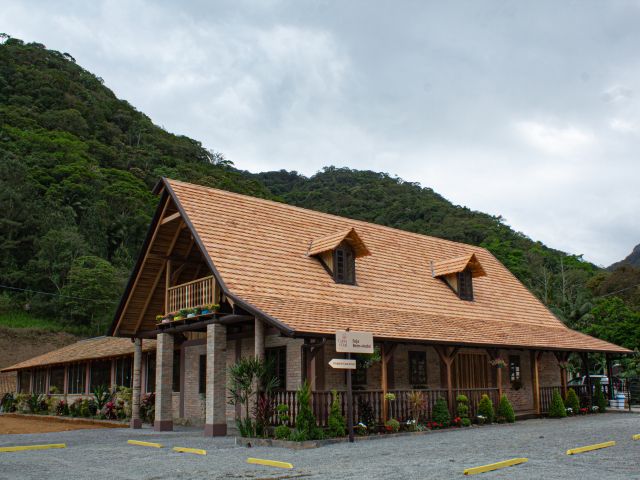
(259, 252)
(92, 348)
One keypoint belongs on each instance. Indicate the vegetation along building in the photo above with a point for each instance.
(276, 281)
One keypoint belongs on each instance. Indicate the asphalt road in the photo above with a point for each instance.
(438, 455)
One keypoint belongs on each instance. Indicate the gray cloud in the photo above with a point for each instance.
(528, 111)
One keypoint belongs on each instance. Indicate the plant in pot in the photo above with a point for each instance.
(159, 318)
(191, 313)
(182, 314)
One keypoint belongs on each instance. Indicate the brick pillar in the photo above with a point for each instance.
(215, 405)
(136, 422)
(259, 339)
(164, 383)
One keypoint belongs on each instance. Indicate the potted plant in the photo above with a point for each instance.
(159, 318)
(191, 313)
(167, 318)
(498, 362)
(182, 314)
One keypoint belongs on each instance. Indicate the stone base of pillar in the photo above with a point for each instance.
(135, 423)
(163, 425)
(215, 430)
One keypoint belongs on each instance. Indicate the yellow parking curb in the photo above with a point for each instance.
(588, 448)
(269, 463)
(33, 447)
(144, 444)
(197, 451)
(495, 466)
(636, 437)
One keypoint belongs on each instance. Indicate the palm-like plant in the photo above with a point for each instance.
(102, 395)
(247, 377)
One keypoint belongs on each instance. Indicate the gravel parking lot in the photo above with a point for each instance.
(100, 453)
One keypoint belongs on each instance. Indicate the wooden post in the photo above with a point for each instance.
(447, 355)
(535, 380)
(609, 375)
(349, 402)
(383, 384)
(136, 422)
(167, 285)
(585, 365)
(493, 355)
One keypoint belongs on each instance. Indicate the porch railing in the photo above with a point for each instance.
(400, 408)
(193, 294)
(546, 394)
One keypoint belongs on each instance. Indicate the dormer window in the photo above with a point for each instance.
(458, 273)
(344, 264)
(337, 253)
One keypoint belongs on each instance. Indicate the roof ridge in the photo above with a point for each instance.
(318, 212)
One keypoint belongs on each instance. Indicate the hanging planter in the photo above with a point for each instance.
(498, 363)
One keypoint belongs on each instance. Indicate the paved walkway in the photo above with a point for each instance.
(437, 455)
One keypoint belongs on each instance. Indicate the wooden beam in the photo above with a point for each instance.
(142, 265)
(535, 380)
(156, 280)
(170, 218)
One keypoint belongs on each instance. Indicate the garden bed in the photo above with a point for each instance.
(17, 423)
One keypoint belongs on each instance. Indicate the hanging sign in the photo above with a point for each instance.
(354, 342)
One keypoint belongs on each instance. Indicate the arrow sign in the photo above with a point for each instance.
(342, 364)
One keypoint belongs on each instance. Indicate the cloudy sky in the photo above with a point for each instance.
(530, 111)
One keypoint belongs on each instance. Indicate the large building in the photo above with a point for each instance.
(447, 317)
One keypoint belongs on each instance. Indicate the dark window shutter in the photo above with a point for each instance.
(344, 264)
(465, 286)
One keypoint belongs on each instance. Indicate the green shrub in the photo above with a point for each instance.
(463, 410)
(557, 408)
(599, 399)
(306, 425)
(337, 423)
(441, 413)
(392, 425)
(485, 409)
(282, 432)
(505, 411)
(572, 401)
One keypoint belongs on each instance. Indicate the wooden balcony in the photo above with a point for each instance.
(196, 293)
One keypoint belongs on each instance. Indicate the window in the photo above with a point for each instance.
(77, 375)
(277, 358)
(151, 373)
(202, 375)
(344, 264)
(24, 379)
(514, 368)
(417, 368)
(100, 374)
(465, 287)
(56, 379)
(176, 370)
(123, 372)
(40, 381)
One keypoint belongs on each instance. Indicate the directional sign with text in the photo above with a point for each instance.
(354, 342)
(342, 364)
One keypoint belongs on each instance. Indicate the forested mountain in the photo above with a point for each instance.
(77, 166)
(633, 259)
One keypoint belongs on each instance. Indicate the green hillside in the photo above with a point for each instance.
(77, 166)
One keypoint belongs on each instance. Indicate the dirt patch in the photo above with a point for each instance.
(17, 345)
(15, 424)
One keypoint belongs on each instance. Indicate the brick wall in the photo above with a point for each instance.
(521, 399)
(193, 400)
(549, 370)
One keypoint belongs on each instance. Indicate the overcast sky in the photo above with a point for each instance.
(527, 110)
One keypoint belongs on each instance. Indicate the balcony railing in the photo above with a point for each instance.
(197, 293)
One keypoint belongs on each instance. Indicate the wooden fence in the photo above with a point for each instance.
(401, 408)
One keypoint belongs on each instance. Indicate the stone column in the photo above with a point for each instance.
(259, 339)
(215, 405)
(136, 422)
(164, 383)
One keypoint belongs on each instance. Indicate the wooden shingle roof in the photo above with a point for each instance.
(330, 242)
(458, 264)
(258, 249)
(92, 348)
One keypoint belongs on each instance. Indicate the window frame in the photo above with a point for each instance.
(56, 369)
(344, 268)
(279, 364)
(150, 373)
(465, 285)
(76, 377)
(120, 371)
(413, 380)
(515, 369)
